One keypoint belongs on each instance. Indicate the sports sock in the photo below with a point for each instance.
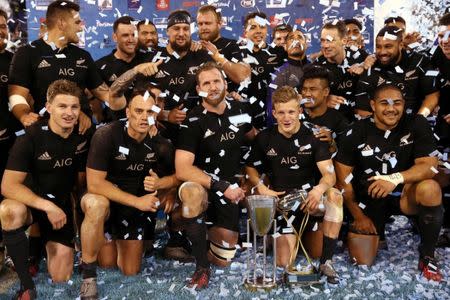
(328, 248)
(195, 229)
(36, 246)
(89, 269)
(16, 243)
(429, 223)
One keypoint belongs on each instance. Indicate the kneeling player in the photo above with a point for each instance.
(124, 163)
(291, 155)
(54, 154)
(390, 153)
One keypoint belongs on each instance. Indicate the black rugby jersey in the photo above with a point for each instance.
(413, 74)
(36, 65)
(371, 150)
(126, 161)
(7, 120)
(231, 51)
(52, 161)
(332, 119)
(289, 162)
(215, 139)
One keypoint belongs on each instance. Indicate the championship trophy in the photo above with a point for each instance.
(262, 211)
(293, 274)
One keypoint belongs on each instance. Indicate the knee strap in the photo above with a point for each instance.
(222, 252)
(333, 211)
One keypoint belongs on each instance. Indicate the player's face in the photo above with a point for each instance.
(444, 40)
(255, 32)
(388, 108)
(387, 51)
(296, 44)
(315, 89)
(147, 36)
(64, 111)
(287, 116)
(354, 36)
(331, 43)
(280, 38)
(208, 26)
(212, 83)
(125, 38)
(138, 112)
(73, 26)
(3, 33)
(179, 37)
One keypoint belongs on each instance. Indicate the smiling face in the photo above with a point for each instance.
(3, 33)
(255, 32)
(354, 36)
(387, 51)
(315, 89)
(331, 43)
(147, 36)
(287, 115)
(179, 37)
(64, 111)
(125, 38)
(388, 107)
(444, 40)
(208, 26)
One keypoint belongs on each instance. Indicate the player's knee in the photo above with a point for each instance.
(428, 192)
(12, 212)
(95, 206)
(334, 206)
(129, 269)
(194, 199)
(62, 261)
(283, 260)
(362, 248)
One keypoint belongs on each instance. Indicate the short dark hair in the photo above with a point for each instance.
(281, 27)
(127, 20)
(339, 26)
(212, 9)
(313, 71)
(253, 15)
(63, 87)
(3, 14)
(210, 65)
(284, 94)
(354, 22)
(393, 30)
(394, 20)
(144, 22)
(386, 86)
(58, 8)
(445, 20)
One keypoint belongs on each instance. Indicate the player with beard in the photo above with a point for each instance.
(147, 36)
(411, 71)
(224, 52)
(54, 154)
(263, 60)
(343, 63)
(208, 157)
(382, 156)
(279, 151)
(280, 33)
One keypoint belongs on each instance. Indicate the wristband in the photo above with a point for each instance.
(219, 185)
(17, 99)
(425, 112)
(394, 178)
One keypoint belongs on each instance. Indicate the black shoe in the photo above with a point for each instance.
(328, 270)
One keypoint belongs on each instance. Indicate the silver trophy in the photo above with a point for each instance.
(262, 212)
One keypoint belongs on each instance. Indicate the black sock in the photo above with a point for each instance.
(89, 270)
(16, 243)
(328, 247)
(195, 229)
(36, 248)
(429, 223)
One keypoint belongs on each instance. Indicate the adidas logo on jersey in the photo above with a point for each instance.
(121, 156)
(271, 152)
(45, 156)
(380, 81)
(113, 77)
(208, 133)
(43, 64)
(160, 74)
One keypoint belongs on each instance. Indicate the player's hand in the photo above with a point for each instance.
(380, 188)
(363, 224)
(323, 134)
(316, 55)
(234, 194)
(177, 115)
(84, 123)
(235, 95)
(148, 202)
(195, 46)
(56, 216)
(207, 45)
(333, 100)
(411, 37)
(28, 119)
(312, 201)
(148, 69)
(447, 118)
(369, 61)
(264, 190)
(356, 69)
(152, 182)
(153, 131)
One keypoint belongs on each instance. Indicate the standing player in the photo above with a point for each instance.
(280, 33)
(147, 36)
(54, 154)
(208, 157)
(290, 154)
(130, 174)
(388, 154)
(354, 36)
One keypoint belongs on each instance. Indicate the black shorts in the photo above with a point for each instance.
(128, 223)
(222, 212)
(64, 235)
(282, 224)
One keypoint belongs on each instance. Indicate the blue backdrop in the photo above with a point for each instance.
(307, 15)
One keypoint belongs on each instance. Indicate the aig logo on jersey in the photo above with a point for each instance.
(66, 71)
(176, 80)
(135, 167)
(345, 85)
(4, 78)
(64, 162)
(288, 160)
(227, 136)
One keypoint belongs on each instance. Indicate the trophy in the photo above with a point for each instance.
(293, 274)
(262, 211)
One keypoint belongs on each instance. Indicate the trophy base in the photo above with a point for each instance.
(297, 278)
(260, 284)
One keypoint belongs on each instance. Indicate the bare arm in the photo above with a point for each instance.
(429, 103)
(22, 111)
(186, 171)
(421, 170)
(255, 179)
